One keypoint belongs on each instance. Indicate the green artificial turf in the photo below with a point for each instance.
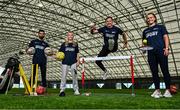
(99, 99)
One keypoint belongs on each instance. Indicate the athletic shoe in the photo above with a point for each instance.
(111, 44)
(156, 94)
(76, 92)
(62, 94)
(167, 94)
(104, 76)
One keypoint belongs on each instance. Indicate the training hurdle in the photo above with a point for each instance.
(91, 59)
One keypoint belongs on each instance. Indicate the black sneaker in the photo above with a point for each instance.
(62, 94)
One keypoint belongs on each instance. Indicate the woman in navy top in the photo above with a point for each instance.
(71, 61)
(157, 37)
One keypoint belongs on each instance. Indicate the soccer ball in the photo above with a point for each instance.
(48, 51)
(173, 89)
(40, 90)
(31, 51)
(60, 55)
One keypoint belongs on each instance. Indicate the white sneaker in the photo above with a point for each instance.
(167, 94)
(104, 76)
(76, 92)
(61, 91)
(156, 94)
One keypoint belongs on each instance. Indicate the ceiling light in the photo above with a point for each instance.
(39, 4)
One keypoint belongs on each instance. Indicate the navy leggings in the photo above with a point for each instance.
(156, 57)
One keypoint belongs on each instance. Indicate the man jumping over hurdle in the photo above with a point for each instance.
(110, 34)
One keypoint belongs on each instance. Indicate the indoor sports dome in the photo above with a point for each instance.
(20, 21)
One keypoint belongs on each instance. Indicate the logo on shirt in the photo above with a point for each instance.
(113, 32)
(151, 34)
(109, 35)
(155, 29)
(39, 47)
(39, 43)
(106, 31)
(70, 49)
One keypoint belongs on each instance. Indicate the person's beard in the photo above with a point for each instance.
(109, 26)
(41, 37)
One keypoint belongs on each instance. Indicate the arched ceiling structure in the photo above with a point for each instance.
(21, 19)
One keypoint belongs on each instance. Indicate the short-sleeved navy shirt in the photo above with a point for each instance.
(70, 50)
(39, 56)
(110, 33)
(155, 36)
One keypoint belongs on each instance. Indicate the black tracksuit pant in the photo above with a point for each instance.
(103, 53)
(43, 74)
(155, 57)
